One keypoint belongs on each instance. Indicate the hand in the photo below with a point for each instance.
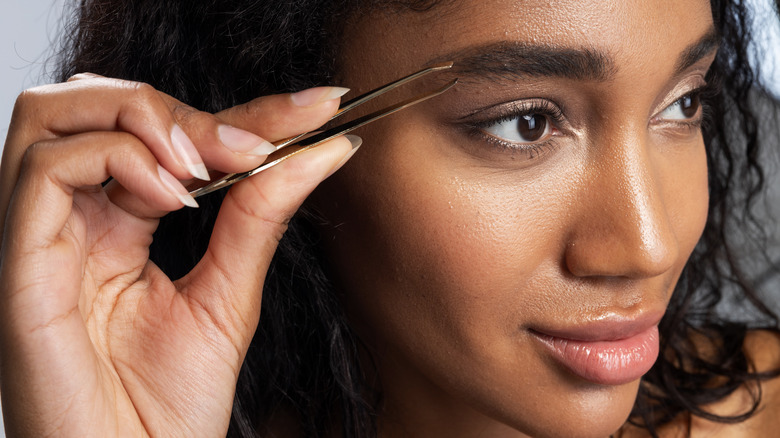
(96, 340)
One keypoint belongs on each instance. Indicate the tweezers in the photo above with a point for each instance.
(288, 147)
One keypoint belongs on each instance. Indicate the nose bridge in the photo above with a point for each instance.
(623, 228)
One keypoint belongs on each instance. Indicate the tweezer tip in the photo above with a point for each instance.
(441, 65)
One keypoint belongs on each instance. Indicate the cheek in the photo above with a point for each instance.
(442, 265)
(444, 250)
(687, 193)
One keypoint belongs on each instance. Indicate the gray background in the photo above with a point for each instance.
(27, 28)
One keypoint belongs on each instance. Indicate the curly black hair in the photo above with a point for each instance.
(303, 361)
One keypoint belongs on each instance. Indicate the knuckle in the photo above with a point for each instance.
(34, 157)
(83, 76)
(144, 101)
(26, 102)
(274, 219)
(248, 111)
(247, 115)
(187, 115)
(129, 148)
(143, 92)
(199, 125)
(182, 113)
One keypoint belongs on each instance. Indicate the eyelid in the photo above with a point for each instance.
(686, 86)
(705, 93)
(506, 110)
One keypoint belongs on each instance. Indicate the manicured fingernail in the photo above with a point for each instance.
(187, 154)
(356, 142)
(313, 96)
(244, 142)
(176, 188)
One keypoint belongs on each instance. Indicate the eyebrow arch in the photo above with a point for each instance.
(698, 50)
(510, 60)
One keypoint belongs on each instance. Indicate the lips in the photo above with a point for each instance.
(607, 353)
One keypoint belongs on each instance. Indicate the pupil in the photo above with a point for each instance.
(532, 126)
(689, 105)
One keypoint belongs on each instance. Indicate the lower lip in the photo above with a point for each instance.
(613, 362)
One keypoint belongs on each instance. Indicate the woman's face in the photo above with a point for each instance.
(506, 249)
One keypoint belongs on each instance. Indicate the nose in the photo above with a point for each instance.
(620, 223)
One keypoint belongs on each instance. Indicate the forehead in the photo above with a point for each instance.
(599, 22)
(636, 34)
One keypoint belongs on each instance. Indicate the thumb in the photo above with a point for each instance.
(227, 282)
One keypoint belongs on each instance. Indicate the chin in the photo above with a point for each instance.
(588, 411)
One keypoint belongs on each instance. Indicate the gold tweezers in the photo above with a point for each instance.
(288, 147)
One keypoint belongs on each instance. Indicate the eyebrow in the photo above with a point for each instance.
(698, 50)
(512, 60)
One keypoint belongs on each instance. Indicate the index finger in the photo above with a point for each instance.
(279, 116)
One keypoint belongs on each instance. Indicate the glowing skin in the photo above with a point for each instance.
(460, 255)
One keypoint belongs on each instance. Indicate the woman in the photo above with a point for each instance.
(498, 261)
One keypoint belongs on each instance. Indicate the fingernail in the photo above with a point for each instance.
(313, 96)
(244, 142)
(356, 142)
(187, 154)
(176, 188)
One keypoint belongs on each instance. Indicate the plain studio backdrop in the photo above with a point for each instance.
(28, 28)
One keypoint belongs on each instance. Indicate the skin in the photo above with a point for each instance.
(450, 250)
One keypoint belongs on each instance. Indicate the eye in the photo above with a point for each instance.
(522, 129)
(527, 126)
(684, 108)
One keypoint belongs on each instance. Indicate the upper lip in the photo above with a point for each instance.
(610, 327)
